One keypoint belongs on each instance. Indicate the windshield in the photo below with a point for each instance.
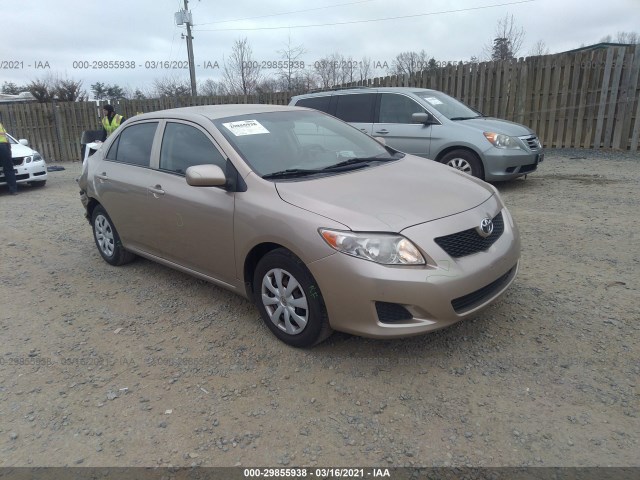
(448, 106)
(301, 143)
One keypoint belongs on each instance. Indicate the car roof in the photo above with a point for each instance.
(367, 90)
(214, 112)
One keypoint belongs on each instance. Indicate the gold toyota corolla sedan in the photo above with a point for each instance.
(321, 225)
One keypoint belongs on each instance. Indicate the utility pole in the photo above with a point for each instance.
(182, 18)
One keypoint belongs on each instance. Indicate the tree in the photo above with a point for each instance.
(42, 89)
(539, 48)
(210, 88)
(115, 92)
(410, 63)
(241, 72)
(507, 41)
(99, 90)
(622, 37)
(328, 70)
(172, 87)
(10, 88)
(68, 90)
(292, 64)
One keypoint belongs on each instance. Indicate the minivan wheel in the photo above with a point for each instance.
(465, 161)
(289, 300)
(107, 239)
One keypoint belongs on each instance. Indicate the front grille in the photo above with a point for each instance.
(479, 296)
(470, 241)
(532, 142)
(17, 161)
(392, 312)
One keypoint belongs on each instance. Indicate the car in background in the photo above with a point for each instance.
(433, 125)
(321, 225)
(28, 164)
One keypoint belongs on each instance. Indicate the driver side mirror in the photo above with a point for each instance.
(205, 176)
(24, 141)
(422, 117)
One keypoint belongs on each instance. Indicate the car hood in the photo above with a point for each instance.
(388, 197)
(19, 150)
(496, 125)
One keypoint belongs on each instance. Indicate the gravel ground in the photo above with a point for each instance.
(144, 366)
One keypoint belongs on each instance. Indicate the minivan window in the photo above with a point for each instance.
(397, 108)
(356, 107)
(317, 103)
(184, 146)
(135, 143)
(448, 106)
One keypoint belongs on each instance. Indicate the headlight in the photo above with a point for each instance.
(499, 140)
(37, 157)
(27, 159)
(384, 248)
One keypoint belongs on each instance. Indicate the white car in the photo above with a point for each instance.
(28, 164)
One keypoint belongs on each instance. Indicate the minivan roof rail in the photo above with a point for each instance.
(335, 89)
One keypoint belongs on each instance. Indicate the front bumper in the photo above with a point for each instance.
(502, 164)
(28, 172)
(357, 293)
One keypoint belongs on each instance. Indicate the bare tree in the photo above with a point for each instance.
(328, 71)
(410, 63)
(628, 37)
(539, 48)
(172, 87)
(212, 88)
(43, 89)
(365, 69)
(241, 72)
(293, 65)
(507, 41)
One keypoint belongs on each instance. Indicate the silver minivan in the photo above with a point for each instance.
(433, 125)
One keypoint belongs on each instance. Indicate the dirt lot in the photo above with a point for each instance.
(144, 366)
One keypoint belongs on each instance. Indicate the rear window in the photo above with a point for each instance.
(357, 107)
(317, 103)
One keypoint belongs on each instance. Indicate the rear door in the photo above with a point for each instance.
(395, 125)
(357, 109)
(121, 181)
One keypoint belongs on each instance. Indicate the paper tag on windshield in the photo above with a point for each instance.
(245, 127)
(433, 101)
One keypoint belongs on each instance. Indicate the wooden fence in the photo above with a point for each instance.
(587, 99)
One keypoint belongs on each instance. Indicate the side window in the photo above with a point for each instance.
(317, 103)
(184, 146)
(356, 107)
(397, 108)
(134, 144)
(112, 154)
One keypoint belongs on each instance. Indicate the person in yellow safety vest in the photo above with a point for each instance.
(110, 121)
(7, 161)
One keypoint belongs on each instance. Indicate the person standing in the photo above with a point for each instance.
(7, 161)
(110, 121)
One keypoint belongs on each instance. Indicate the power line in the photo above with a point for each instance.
(284, 13)
(367, 21)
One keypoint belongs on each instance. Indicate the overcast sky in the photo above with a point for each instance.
(43, 37)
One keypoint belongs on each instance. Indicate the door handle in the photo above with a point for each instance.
(382, 131)
(156, 191)
(102, 177)
(365, 130)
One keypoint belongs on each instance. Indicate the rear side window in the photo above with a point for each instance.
(317, 103)
(184, 146)
(134, 144)
(356, 107)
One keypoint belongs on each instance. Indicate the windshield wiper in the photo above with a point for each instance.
(465, 118)
(357, 161)
(291, 173)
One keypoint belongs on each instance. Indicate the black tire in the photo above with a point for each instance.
(465, 161)
(107, 238)
(306, 293)
(40, 183)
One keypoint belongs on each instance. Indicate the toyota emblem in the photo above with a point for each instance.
(486, 227)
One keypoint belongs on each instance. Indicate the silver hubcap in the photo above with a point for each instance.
(285, 301)
(460, 164)
(104, 235)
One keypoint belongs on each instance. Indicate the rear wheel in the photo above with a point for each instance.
(289, 300)
(107, 239)
(465, 161)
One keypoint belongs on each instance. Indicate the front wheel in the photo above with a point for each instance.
(465, 161)
(289, 300)
(107, 239)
